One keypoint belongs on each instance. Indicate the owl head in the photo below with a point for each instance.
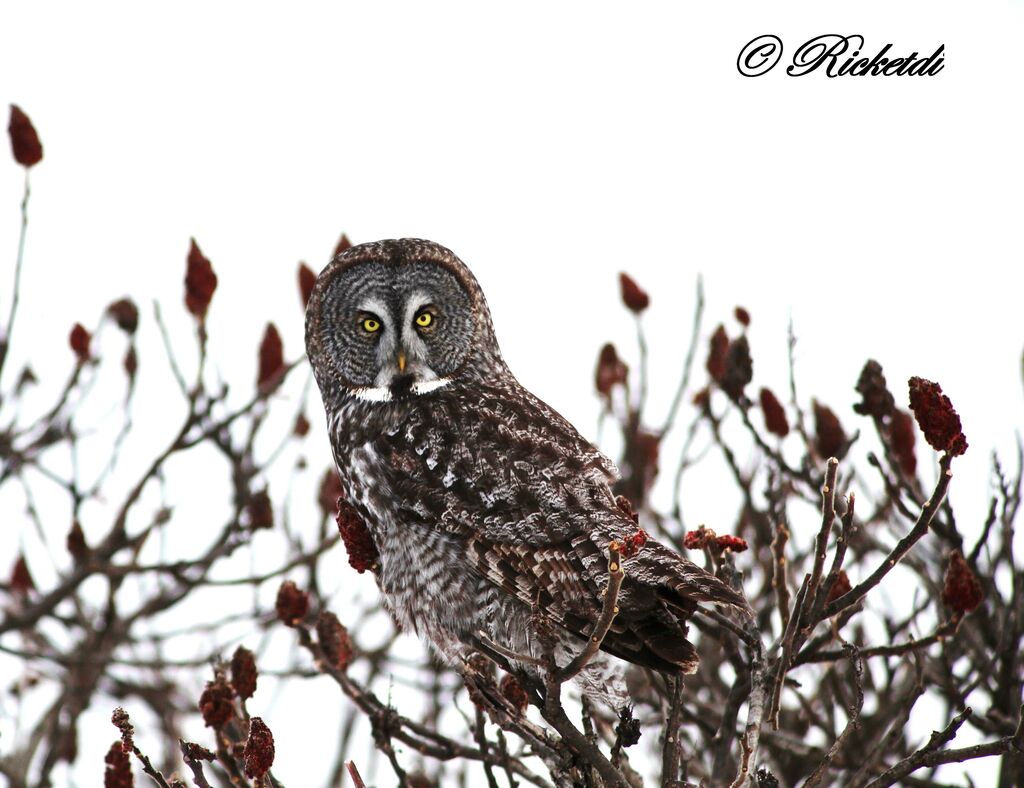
(396, 319)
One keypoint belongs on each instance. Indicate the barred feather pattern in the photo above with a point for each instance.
(488, 508)
(489, 511)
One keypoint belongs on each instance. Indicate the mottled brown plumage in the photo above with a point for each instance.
(489, 510)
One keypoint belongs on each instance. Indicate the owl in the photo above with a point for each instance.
(491, 515)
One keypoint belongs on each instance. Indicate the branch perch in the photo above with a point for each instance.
(604, 622)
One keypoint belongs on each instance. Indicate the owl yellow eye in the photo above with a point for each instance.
(370, 325)
(424, 319)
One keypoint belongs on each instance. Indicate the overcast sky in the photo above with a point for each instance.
(550, 146)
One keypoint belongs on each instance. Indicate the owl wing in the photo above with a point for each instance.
(532, 503)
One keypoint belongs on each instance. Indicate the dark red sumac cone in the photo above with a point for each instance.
(258, 755)
(21, 578)
(76, 543)
(829, 438)
(962, 591)
(839, 588)
(306, 281)
(335, 642)
(25, 144)
(739, 369)
(512, 691)
(698, 538)
(343, 244)
(936, 417)
(200, 281)
(271, 359)
(362, 552)
(292, 604)
(742, 316)
(216, 704)
(630, 545)
(79, 340)
(775, 420)
(118, 771)
(259, 510)
(243, 672)
(876, 399)
(125, 314)
(633, 296)
(729, 542)
(718, 348)
(611, 371)
(901, 439)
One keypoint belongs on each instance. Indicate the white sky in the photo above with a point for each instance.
(550, 147)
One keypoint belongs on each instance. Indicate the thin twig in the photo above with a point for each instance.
(609, 610)
(852, 722)
(775, 455)
(791, 356)
(5, 340)
(728, 624)
(353, 772)
(554, 714)
(684, 383)
(782, 666)
(780, 581)
(422, 738)
(931, 754)
(645, 371)
(837, 559)
(480, 733)
(149, 769)
(920, 528)
(671, 751)
(172, 360)
(755, 709)
(828, 516)
(808, 655)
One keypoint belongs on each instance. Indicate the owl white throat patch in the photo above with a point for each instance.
(383, 393)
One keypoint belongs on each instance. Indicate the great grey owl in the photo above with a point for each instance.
(489, 511)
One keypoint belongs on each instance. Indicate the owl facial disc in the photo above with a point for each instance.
(397, 319)
(402, 356)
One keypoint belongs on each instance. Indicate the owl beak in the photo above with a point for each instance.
(401, 361)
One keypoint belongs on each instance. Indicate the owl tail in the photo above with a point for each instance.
(662, 590)
(679, 582)
(665, 645)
